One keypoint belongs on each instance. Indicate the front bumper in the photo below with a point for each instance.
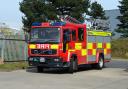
(49, 62)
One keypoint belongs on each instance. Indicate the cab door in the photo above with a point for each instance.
(81, 46)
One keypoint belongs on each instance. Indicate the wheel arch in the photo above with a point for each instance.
(101, 55)
(74, 56)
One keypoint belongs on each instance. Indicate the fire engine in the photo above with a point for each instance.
(65, 44)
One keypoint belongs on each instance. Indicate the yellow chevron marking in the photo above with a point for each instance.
(54, 46)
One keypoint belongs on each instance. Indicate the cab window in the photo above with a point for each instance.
(73, 35)
(80, 34)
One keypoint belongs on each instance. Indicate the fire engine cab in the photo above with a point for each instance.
(65, 44)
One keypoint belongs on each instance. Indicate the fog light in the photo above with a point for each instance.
(56, 60)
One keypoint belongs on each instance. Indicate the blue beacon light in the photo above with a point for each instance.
(58, 24)
(36, 24)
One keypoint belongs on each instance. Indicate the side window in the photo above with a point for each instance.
(66, 35)
(81, 34)
(73, 35)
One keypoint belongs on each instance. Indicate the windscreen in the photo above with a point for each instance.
(47, 35)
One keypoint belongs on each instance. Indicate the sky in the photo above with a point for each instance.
(10, 14)
(109, 4)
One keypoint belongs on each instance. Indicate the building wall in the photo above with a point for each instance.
(12, 44)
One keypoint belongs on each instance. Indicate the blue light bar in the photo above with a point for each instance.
(36, 24)
(58, 24)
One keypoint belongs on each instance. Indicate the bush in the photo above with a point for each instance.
(120, 48)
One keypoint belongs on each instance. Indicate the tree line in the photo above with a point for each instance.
(44, 10)
(123, 26)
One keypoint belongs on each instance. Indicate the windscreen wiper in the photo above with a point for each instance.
(50, 40)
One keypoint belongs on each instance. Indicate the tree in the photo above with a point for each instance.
(113, 34)
(73, 8)
(123, 26)
(96, 11)
(35, 11)
(44, 10)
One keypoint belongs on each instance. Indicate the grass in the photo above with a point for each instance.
(120, 48)
(7, 67)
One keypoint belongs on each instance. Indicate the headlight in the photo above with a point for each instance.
(56, 60)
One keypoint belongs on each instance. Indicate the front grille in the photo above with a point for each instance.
(44, 51)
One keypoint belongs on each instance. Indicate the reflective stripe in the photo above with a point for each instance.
(78, 46)
(94, 52)
(32, 46)
(68, 56)
(90, 46)
(78, 43)
(84, 52)
(108, 45)
(71, 50)
(99, 33)
(91, 49)
(99, 45)
(54, 46)
(105, 51)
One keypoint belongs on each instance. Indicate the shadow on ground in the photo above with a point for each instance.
(112, 64)
(58, 70)
(117, 64)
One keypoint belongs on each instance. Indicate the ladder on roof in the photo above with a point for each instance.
(97, 24)
(70, 19)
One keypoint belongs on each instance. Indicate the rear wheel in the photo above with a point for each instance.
(40, 69)
(100, 63)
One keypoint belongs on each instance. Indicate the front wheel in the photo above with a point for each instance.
(73, 66)
(40, 69)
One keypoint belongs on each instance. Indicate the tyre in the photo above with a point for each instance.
(100, 63)
(39, 69)
(73, 66)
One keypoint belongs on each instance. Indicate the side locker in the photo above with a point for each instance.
(107, 48)
(99, 41)
(91, 48)
(100, 45)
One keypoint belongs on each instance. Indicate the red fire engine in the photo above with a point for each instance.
(67, 45)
